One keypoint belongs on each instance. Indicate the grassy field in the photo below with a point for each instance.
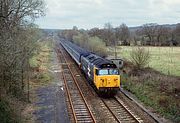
(163, 59)
(155, 90)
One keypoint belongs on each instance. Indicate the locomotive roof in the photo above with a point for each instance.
(104, 63)
(100, 62)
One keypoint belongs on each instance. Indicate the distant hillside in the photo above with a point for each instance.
(172, 26)
(132, 29)
(50, 30)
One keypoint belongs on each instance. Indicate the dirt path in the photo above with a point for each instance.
(51, 105)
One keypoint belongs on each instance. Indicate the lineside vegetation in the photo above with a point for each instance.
(18, 37)
(93, 44)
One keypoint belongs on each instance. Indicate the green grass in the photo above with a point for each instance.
(40, 63)
(159, 91)
(42, 54)
(163, 59)
(148, 91)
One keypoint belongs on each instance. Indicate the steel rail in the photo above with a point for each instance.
(67, 91)
(127, 113)
(111, 112)
(127, 110)
(83, 98)
(69, 98)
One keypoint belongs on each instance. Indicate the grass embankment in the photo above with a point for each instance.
(158, 91)
(163, 59)
(154, 86)
(13, 110)
(41, 76)
(40, 64)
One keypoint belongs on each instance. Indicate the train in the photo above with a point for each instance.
(101, 73)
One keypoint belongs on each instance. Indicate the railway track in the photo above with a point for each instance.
(120, 112)
(104, 110)
(117, 111)
(92, 98)
(81, 112)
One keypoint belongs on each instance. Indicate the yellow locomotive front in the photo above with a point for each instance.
(107, 80)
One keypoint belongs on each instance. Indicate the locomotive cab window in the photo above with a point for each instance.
(113, 71)
(107, 72)
(103, 72)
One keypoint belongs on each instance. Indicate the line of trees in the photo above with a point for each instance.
(83, 39)
(158, 35)
(111, 35)
(17, 42)
(147, 34)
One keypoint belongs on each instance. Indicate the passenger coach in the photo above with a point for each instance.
(103, 74)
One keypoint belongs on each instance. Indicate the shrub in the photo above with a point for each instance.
(93, 44)
(140, 57)
(97, 46)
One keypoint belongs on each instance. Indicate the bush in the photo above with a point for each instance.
(97, 46)
(140, 57)
(93, 44)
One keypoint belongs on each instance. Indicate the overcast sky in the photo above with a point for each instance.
(87, 14)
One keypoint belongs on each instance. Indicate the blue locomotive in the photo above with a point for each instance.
(100, 72)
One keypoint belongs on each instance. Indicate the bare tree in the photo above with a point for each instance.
(162, 34)
(17, 37)
(13, 12)
(122, 33)
(176, 33)
(149, 31)
(75, 28)
(69, 33)
(94, 32)
(108, 34)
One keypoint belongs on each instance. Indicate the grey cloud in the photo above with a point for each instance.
(94, 13)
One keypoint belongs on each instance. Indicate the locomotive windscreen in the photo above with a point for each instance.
(107, 72)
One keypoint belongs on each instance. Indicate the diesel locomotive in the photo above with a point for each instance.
(103, 74)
